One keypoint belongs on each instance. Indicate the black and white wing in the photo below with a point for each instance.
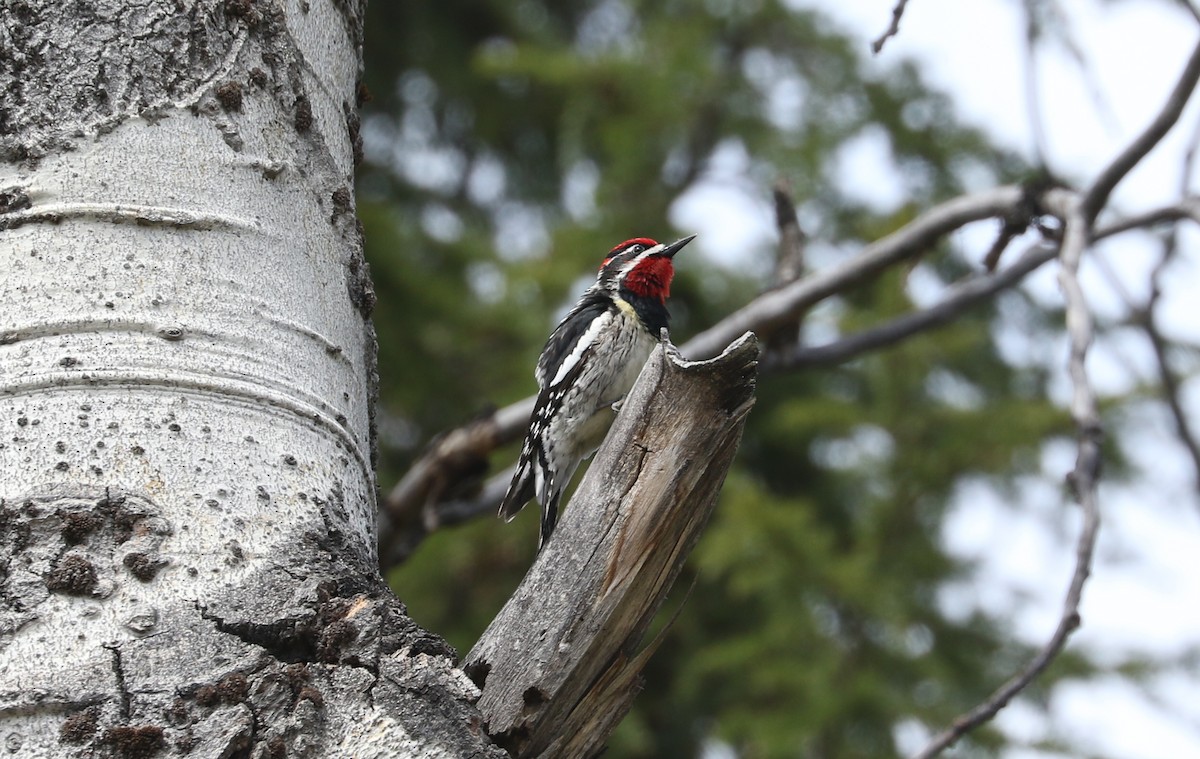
(539, 470)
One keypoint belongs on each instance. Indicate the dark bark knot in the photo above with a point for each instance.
(135, 742)
(229, 95)
(72, 575)
(143, 566)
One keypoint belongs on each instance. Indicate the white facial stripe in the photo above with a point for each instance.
(581, 345)
(639, 258)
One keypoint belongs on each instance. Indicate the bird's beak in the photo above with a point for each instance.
(676, 246)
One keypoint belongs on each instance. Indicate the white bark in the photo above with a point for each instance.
(187, 502)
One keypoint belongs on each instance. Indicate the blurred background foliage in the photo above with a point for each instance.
(509, 145)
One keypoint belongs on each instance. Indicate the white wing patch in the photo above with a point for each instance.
(585, 341)
(539, 482)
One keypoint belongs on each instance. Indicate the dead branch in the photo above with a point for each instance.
(414, 507)
(970, 292)
(1171, 386)
(559, 665)
(960, 297)
(1079, 212)
(1082, 478)
(1149, 314)
(398, 541)
(789, 265)
(775, 308)
(1145, 318)
(1186, 209)
(893, 27)
(417, 505)
(1097, 195)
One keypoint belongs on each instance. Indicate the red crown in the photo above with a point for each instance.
(643, 240)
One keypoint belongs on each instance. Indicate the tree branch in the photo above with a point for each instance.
(1146, 317)
(1079, 213)
(1082, 479)
(414, 507)
(789, 265)
(775, 308)
(893, 27)
(1187, 208)
(967, 294)
(959, 298)
(559, 665)
(1097, 195)
(1171, 387)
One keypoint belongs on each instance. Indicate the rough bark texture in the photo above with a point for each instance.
(187, 502)
(559, 666)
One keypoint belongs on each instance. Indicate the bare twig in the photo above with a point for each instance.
(1187, 208)
(1082, 479)
(958, 299)
(397, 541)
(461, 450)
(893, 27)
(770, 310)
(1032, 102)
(1144, 317)
(1097, 195)
(963, 296)
(1079, 213)
(414, 506)
(1148, 319)
(1019, 219)
(790, 263)
(1171, 385)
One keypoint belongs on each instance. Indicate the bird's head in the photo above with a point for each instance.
(641, 267)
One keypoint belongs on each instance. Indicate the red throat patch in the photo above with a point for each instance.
(651, 278)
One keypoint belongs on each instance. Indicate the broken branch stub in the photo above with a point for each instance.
(559, 665)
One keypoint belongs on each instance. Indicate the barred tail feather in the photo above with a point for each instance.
(554, 490)
(520, 490)
(549, 519)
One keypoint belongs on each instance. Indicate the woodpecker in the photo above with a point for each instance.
(590, 361)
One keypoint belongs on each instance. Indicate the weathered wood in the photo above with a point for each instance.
(559, 666)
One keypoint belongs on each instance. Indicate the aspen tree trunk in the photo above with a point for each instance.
(187, 497)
